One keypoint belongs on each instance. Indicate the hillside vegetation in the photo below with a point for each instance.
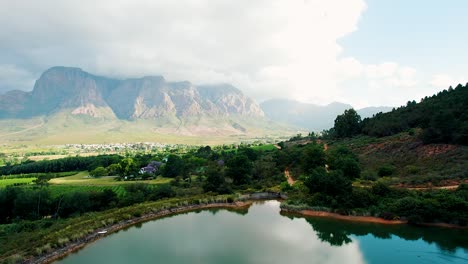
(404, 160)
(443, 118)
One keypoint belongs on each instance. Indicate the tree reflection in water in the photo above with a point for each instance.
(338, 233)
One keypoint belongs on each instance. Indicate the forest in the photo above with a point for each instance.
(442, 117)
(196, 172)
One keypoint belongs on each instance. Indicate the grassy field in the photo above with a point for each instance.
(83, 182)
(64, 128)
(83, 179)
(21, 181)
(80, 181)
(265, 147)
(58, 190)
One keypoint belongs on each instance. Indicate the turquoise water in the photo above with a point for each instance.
(262, 235)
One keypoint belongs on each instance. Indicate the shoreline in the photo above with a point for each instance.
(366, 219)
(351, 218)
(96, 235)
(83, 242)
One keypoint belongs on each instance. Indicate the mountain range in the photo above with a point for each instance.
(70, 105)
(150, 97)
(310, 116)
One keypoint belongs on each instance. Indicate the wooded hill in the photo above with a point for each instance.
(443, 118)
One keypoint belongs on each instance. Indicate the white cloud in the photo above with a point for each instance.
(443, 81)
(387, 83)
(12, 77)
(269, 48)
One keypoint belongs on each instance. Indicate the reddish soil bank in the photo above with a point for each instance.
(366, 219)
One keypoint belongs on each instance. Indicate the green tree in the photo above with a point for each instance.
(347, 124)
(332, 184)
(349, 167)
(128, 167)
(215, 181)
(239, 169)
(174, 167)
(114, 169)
(313, 156)
(98, 172)
(162, 191)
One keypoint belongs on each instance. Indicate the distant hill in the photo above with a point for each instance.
(311, 116)
(69, 102)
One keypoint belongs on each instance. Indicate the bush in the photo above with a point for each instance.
(415, 219)
(98, 172)
(285, 187)
(411, 169)
(386, 170)
(388, 216)
(369, 176)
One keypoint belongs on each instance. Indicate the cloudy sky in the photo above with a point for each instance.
(363, 52)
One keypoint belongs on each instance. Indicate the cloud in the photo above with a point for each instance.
(443, 81)
(386, 83)
(12, 77)
(269, 48)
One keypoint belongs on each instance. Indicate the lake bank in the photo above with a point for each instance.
(97, 234)
(364, 219)
(260, 234)
(243, 202)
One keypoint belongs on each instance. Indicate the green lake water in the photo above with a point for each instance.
(262, 235)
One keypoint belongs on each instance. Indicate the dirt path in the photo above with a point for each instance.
(449, 187)
(291, 181)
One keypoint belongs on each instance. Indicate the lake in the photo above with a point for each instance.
(261, 234)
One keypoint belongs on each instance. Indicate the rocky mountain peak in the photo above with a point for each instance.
(150, 97)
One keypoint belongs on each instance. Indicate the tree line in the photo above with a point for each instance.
(442, 117)
(198, 171)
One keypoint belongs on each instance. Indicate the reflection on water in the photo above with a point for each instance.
(261, 235)
(338, 233)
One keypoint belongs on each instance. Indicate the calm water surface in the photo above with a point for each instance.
(262, 235)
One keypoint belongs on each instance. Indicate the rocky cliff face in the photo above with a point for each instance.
(151, 97)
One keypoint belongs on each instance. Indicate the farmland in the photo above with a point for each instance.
(16, 181)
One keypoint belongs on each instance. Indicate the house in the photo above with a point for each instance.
(148, 169)
(151, 168)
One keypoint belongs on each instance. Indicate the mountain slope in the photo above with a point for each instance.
(69, 105)
(150, 97)
(310, 116)
(442, 117)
